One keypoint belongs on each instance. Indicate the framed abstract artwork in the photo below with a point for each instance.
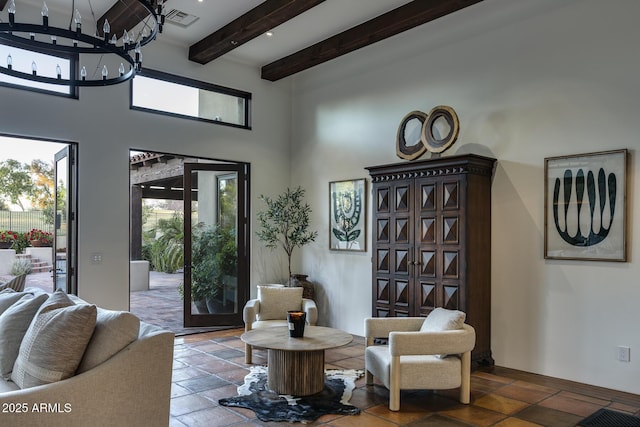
(347, 213)
(586, 206)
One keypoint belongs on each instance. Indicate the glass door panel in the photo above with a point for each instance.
(64, 238)
(216, 277)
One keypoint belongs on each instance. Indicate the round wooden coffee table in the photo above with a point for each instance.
(296, 365)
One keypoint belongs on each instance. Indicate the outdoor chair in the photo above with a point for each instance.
(271, 307)
(17, 283)
(432, 353)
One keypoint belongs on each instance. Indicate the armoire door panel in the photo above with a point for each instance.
(427, 197)
(402, 198)
(382, 230)
(401, 264)
(382, 199)
(450, 297)
(402, 230)
(382, 260)
(428, 263)
(450, 195)
(450, 230)
(428, 297)
(450, 268)
(381, 312)
(428, 230)
(382, 291)
(402, 295)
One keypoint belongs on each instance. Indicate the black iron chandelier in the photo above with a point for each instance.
(73, 42)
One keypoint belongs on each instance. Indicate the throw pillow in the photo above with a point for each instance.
(275, 302)
(58, 299)
(55, 342)
(441, 319)
(114, 331)
(8, 297)
(14, 322)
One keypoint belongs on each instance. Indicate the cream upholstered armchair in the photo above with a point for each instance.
(432, 353)
(270, 309)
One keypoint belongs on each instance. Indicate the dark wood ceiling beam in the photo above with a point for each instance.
(3, 3)
(252, 24)
(123, 16)
(403, 18)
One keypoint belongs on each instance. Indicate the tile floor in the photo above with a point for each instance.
(210, 366)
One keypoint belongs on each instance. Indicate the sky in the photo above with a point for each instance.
(26, 150)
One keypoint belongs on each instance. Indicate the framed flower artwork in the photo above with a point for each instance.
(347, 213)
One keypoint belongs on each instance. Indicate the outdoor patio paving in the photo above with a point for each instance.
(161, 305)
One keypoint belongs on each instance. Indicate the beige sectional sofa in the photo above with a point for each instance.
(123, 377)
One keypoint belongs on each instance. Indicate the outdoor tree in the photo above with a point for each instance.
(41, 196)
(15, 182)
(285, 223)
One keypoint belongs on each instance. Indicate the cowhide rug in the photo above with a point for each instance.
(270, 406)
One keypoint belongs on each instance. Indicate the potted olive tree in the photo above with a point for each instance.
(285, 223)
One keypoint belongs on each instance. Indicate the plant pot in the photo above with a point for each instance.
(301, 281)
(5, 245)
(201, 306)
(216, 306)
(39, 244)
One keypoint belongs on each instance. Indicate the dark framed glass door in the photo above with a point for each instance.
(216, 273)
(65, 221)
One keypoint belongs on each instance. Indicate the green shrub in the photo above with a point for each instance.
(20, 267)
(164, 245)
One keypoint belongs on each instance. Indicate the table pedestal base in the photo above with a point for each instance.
(296, 373)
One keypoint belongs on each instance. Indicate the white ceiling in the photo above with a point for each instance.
(318, 23)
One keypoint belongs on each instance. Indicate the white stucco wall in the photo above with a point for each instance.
(528, 80)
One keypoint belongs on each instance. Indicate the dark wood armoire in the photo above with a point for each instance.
(432, 241)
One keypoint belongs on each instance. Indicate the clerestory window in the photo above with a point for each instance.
(163, 93)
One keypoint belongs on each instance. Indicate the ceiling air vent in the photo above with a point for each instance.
(182, 19)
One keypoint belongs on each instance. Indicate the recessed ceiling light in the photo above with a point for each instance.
(268, 34)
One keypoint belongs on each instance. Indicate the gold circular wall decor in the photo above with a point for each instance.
(438, 117)
(416, 148)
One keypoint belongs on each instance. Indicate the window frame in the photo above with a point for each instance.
(73, 67)
(198, 84)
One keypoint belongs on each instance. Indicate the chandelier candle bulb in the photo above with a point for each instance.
(58, 71)
(113, 40)
(83, 73)
(45, 15)
(105, 72)
(121, 69)
(77, 18)
(12, 12)
(34, 68)
(9, 61)
(106, 29)
(54, 40)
